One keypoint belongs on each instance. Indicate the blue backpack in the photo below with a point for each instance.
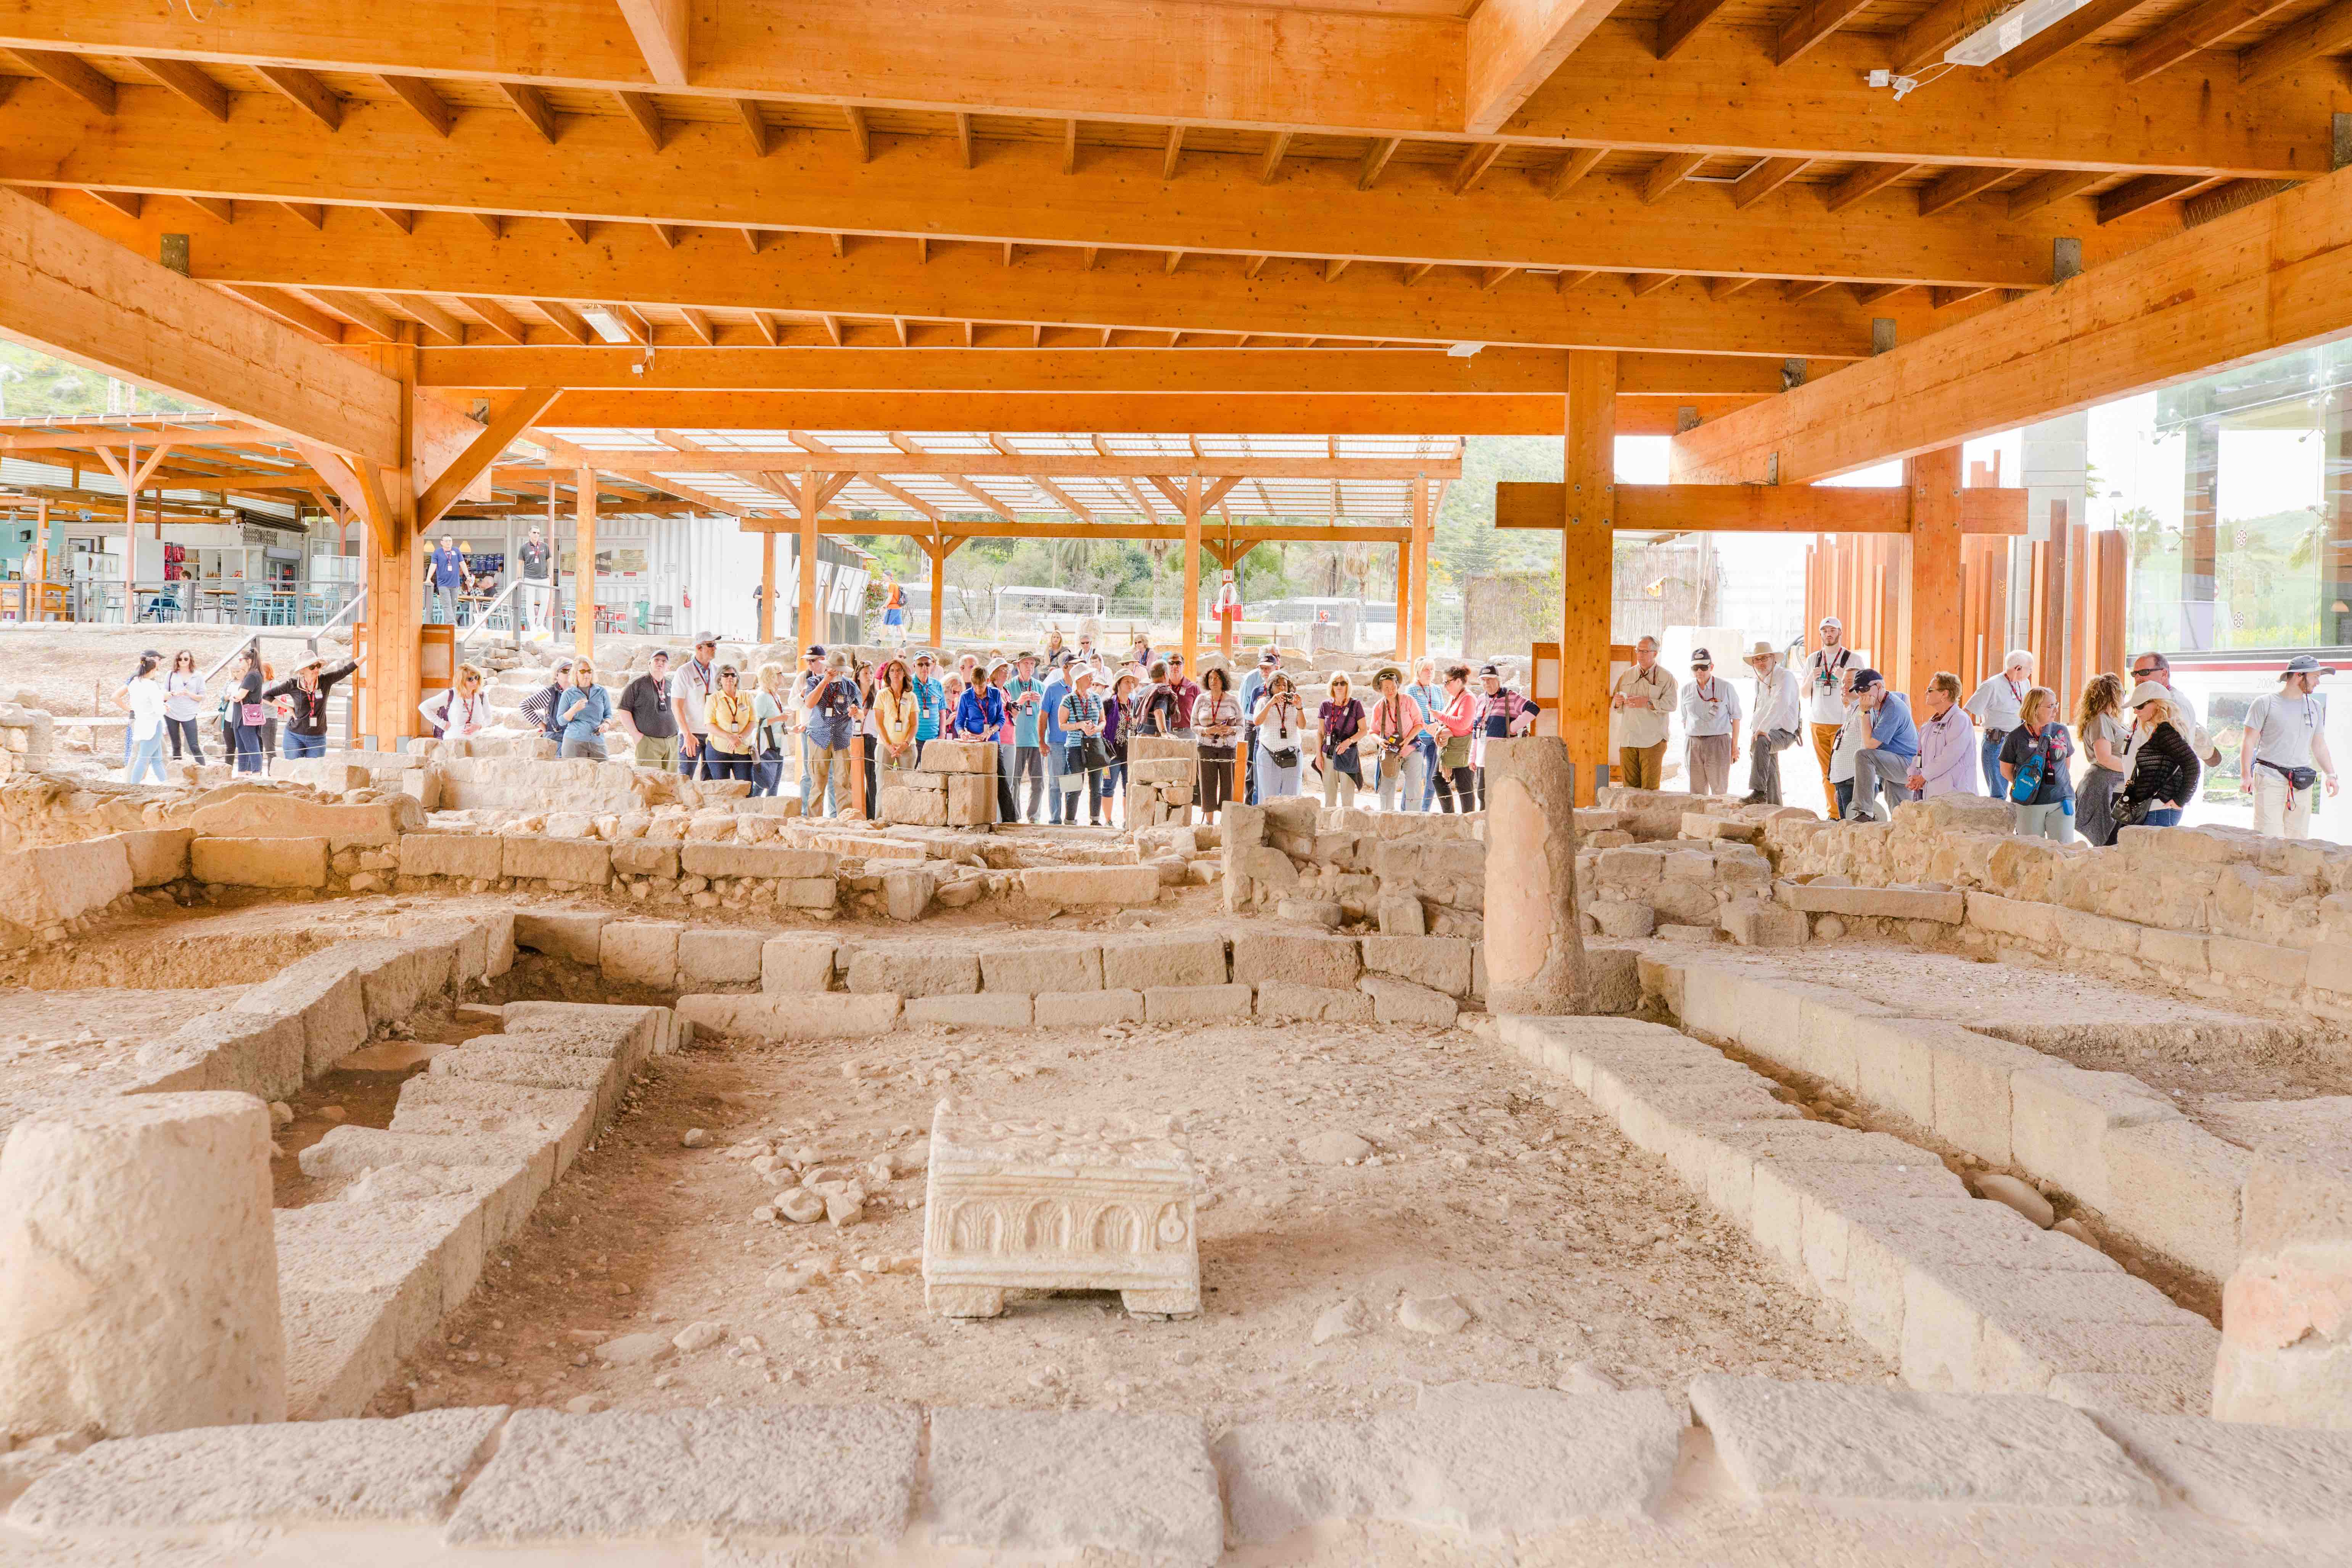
(2028, 782)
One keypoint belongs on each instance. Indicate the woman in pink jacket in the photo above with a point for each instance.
(1946, 763)
(1450, 725)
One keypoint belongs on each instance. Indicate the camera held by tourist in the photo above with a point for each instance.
(1829, 675)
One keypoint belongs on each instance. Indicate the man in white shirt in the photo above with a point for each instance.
(1643, 698)
(1780, 709)
(1995, 707)
(2284, 754)
(1710, 727)
(690, 699)
(2157, 667)
(1826, 673)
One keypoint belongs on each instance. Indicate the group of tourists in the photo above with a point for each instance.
(254, 708)
(1063, 721)
(454, 580)
(2133, 754)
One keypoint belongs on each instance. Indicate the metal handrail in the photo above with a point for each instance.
(251, 645)
(351, 608)
(482, 617)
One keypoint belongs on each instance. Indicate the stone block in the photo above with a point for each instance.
(1883, 903)
(2030, 922)
(2061, 1115)
(809, 893)
(1438, 962)
(971, 799)
(404, 1471)
(1030, 967)
(440, 1104)
(473, 856)
(262, 814)
(249, 1053)
(2175, 1187)
(906, 894)
(640, 952)
(1900, 1445)
(1184, 1004)
(2279, 968)
(157, 855)
(1398, 1001)
(645, 857)
(702, 860)
(1299, 958)
(1522, 1463)
(987, 1010)
(1092, 884)
(1622, 919)
(944, 756)
(1756, 923)
(719, 957)
(917, 807)
(363, 1283)
(684, 1475)
(140, 1290)
(325, 992)
(1282, 999)
(2272, 1478)
(1177, 959)
(1088, 1009)
(2097, 934)
(786, 1015)
(1895, 1060)
(260, 862)
(1075, 1485)
(580, 862)
(59, 881)
(576, 936)
(797, 961)
(1972, 1077)
(915, 969)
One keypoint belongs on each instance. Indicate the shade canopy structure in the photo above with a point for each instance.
(737, 259)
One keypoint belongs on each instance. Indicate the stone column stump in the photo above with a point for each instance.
(139, 1268)
(2286, 1311)
(1535, 945)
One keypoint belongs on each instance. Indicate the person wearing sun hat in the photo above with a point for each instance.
(2284, 756)
(1775, 713)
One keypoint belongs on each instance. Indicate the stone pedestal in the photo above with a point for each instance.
(1535, 946)
(139, 1268)
(2286, 1311)
(1099, 1204)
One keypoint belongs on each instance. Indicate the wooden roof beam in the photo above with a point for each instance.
(1865, 182)
(2133, 195)
(1669, 171)
(2328, 32)
(1514, 47)
(2186, 33)
(1377, 153)
(1681, 23)
(71, 72)
(660, 28)
(639, 109)
(532, 103)
(421, 95)
(1951, 189)
(188, 79)
(1765, 177)
(1815, 20)
(306, 91)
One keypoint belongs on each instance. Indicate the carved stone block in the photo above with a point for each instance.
(1096, 1204)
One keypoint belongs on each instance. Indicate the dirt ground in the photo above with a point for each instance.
(71, 668)
(1566, 1245)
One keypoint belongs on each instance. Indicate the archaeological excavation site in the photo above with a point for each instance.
(428, 1157)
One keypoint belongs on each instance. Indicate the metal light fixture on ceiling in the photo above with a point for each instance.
(2009, 28)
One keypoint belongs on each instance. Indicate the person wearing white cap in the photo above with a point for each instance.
(1994, 706)
(2284, 754)
(2164, 761)
(1710, 727)
(1779, 710)
(1826, 673)
(1643, 698)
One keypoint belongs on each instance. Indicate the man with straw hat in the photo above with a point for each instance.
(1778, 710)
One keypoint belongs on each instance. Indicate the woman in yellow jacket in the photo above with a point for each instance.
(897, 711)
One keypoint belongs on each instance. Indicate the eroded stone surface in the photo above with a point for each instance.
(1040, 1481)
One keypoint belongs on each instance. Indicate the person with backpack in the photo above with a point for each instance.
(2034, 769)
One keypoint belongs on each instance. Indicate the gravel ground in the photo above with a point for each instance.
(1569, 1250)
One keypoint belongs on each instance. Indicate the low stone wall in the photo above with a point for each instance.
(1413, 872)
(1964, 1294)
(1686, 889)
(2104, 1140)
(2263, 922)
(417, 1209)
(1798, 1472)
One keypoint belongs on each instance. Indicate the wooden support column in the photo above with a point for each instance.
(768, 588)
(1190, 641)
(938, 554)
(1586, 544)
(1404, 604)
(1423, 526)
(583, 555)
(386, 498)
(1933, 580)
(805, 627)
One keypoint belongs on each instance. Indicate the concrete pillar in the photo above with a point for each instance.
(139, 1268)
(1535, 946)
(2286, 1311)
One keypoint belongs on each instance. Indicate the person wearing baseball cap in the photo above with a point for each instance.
(931, 694)
(2284, 750)
(1711, 718)
(1827, 673)
(1882, 764)
(644, 703)
(1253, 691)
